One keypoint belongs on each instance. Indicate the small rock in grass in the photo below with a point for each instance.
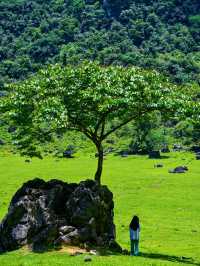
(159, 165)
(87, 259)
(93, 252)
(198, 156)
(179, 170)
(124, 155)
(165, 149)
(177, 147)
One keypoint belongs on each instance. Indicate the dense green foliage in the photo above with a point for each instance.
(153, 34)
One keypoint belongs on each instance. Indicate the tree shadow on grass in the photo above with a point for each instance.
(171, 258)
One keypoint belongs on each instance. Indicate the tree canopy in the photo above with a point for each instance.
(92, 99)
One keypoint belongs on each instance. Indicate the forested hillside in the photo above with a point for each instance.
(164, 35)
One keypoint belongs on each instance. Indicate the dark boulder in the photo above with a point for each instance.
(165, 149)
(154, 155)
(45, 215)
(179, 170)
(198, 156)
(69, 152)
(159, 165)
(195, 149)
(124, 154)
(177, 147)
(87, 259)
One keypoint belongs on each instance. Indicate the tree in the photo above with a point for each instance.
(145, 135)
(87, 98)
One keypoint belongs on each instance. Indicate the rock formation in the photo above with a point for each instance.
(179, 170)
(45, 215)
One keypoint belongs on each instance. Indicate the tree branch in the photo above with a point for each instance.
(103, 118)
(123, 124)
(87, 133)
(82, 129)
(117, 127)
(102, 128)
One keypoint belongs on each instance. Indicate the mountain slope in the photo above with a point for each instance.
(164, 35)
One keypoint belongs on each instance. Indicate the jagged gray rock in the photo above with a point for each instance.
(46, 214)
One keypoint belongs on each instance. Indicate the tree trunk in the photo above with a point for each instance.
(100, 164)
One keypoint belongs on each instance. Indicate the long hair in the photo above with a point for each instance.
(135, 223)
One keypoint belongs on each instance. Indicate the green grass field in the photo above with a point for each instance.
(168, 206)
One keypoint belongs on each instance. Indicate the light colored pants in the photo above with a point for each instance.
(134, 247)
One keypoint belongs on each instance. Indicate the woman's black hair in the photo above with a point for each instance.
(135, 223)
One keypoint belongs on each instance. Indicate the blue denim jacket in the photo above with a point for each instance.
(135, 234)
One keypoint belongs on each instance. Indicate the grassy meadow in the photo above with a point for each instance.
(168, 206)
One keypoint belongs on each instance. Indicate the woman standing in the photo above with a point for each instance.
(134, 229)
